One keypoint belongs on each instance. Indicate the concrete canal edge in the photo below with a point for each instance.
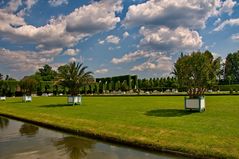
(135, 144)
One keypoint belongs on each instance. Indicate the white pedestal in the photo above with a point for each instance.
(3, 98)
(27, 98)
(74, 100)
(197, 104)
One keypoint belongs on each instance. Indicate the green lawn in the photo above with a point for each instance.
(158, 122)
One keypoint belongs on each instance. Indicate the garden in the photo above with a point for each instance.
(150, 122)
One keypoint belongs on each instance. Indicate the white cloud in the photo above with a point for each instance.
(74, 59)
(227, 6)
(217, 21)
(130, 57)
(170, 40)
(30, 3)
(27, 60)
(93, 18)
(71, 52)
(13, 5)
(174, 13)
(112, 39)
(156, 61)
(153, 61)
(56, 3)
(126, 34)
(101, 42)
(235, 37)
(102, 71)
(64, 31)
(231, 22)
(19, 7)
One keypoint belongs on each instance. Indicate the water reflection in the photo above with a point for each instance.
(3, 122)
(76, 147)
(28, 130)
(41, 143)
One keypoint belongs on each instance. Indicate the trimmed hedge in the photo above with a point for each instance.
(233, 87)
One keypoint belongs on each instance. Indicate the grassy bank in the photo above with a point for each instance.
(156, 122)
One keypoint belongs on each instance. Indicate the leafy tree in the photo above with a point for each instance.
(28, 85)
(197, 72)
(46, 73)
(73, 76)
(232, 67)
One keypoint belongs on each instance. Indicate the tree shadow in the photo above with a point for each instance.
(28, 130)
(3, 122)
(168, 112)
(55, 105)
(75, 147)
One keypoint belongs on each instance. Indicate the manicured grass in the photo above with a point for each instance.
(157, 122)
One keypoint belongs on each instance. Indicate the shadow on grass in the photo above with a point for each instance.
(55, 105)
(168, 113)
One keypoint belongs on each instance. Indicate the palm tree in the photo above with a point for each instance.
(73, 76)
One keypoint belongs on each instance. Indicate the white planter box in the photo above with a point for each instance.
(3, 98)
(27, 98)
(74, 100)
(197, 104)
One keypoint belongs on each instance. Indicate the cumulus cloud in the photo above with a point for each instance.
(130, 57)
(27, 60)
(126, 34)
(56, 3)
(19, 7)
(171, 26)
(235, 37)
(102, 71)
(64, 31)
(93, 18)
(162, 63)
(101, 42)
(173, 13)
(217, 21)
(71, 52)
(166, 39)
(153, 61)
(231, 22)
(112, 39)
(74, 59)
(227, 7)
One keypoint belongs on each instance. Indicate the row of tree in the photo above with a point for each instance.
(198, 70)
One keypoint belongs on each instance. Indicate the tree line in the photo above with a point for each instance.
(44, 80)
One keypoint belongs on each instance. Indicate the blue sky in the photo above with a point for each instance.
(113, 37)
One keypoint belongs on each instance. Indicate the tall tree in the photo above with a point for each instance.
(197, 72)
(73, 76)
(232, 67)
(46, 73)
(28, 85)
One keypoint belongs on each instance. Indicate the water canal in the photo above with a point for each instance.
(19, 140)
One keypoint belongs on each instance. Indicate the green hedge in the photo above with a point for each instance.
(233, 87)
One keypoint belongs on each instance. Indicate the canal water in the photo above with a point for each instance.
(20, 140)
